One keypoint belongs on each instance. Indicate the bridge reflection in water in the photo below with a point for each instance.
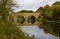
(24, 18)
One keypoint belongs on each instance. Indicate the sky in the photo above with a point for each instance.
(32, 4)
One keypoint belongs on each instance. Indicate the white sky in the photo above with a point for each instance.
(32, 4)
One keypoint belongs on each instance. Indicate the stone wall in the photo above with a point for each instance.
(25, 15)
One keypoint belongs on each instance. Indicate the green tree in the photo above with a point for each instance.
(40, 10)
(56, 16)
(47, 12)
(51, 22)
(6, 7)
(11, 31)
(26, 11)
(56, 3)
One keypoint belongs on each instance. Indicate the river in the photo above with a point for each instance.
(37, 32)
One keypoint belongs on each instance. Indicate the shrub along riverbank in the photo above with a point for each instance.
(10, 31)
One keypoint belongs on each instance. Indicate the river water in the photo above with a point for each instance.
(37, 32)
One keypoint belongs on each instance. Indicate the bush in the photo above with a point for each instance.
(40, 19)
(10, 31)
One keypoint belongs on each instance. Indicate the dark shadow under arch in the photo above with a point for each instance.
(20, 19)
(31, 19)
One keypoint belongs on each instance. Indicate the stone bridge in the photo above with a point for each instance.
(13, 17)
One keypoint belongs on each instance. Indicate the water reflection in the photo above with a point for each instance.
(37, 32)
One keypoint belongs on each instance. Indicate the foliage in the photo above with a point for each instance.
(25, 11)
(5, 8)
(57, 3)
(40, 9)
(40, 18)
(11, 31)
(51, 23)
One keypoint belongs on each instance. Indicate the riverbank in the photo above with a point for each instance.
(10, 31)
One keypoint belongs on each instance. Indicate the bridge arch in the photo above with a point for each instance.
(31, 19)
(25, 17)
(20, 19)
